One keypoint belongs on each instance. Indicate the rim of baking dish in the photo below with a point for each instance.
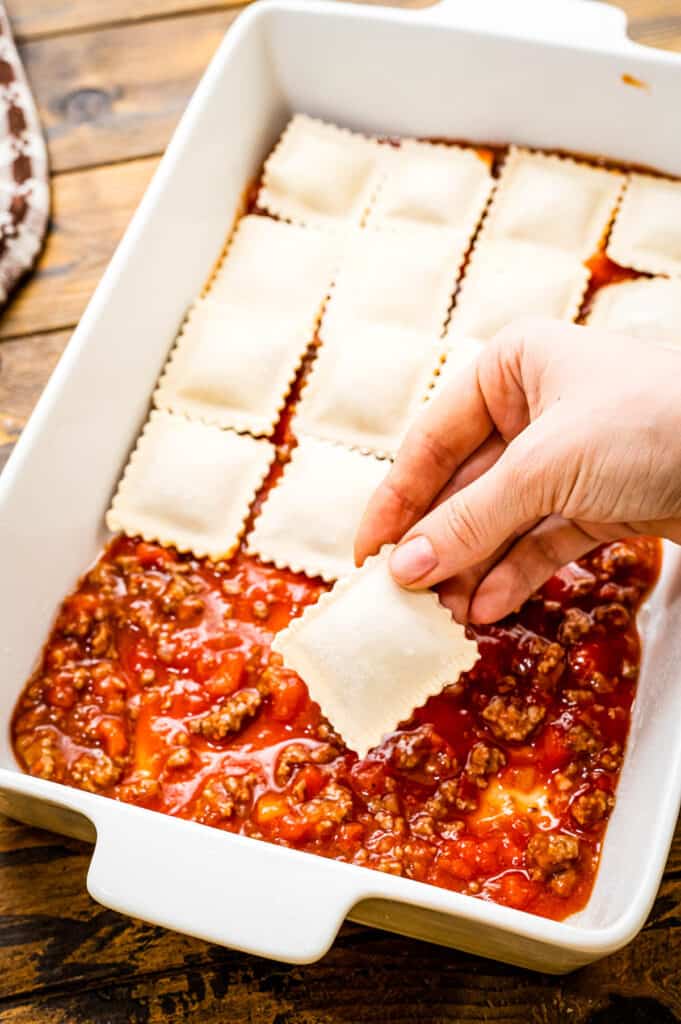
(102, 811)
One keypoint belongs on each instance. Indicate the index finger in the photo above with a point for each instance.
(450, 428)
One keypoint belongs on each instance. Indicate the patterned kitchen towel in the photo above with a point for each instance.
(24, 181)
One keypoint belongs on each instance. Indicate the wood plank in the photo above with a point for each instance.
(15, 836)
(654, 22)
(35, 18)
(90, 211)
(25, 367)
(114, 94)
(51, 932)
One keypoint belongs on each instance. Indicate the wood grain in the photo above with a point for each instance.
(44, 875)
(654, 22)
(25, 367)
(35, 18)
(90, 211)
(114, 94)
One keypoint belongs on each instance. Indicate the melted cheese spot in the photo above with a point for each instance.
(501, 802)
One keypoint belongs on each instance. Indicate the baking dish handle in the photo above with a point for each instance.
(581, 23)
(220, 887)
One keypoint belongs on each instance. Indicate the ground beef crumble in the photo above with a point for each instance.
(583, 740)
(444, 800)
(614, 615)
(330, 808)
(229, 717)
(511, 718)
(483, 760)
(551, 857)
(591, 807)
(540, 659)
(412, 748)
(95, 772)
(158, 687)
(576, 624)
(226, 796)
(422, 751)
(290, 758)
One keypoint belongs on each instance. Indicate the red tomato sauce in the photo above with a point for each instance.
(157, 687)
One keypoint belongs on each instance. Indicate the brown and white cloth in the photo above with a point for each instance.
(24, 181)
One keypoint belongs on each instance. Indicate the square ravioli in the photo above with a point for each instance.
(648, 308)
(366, 385)
(646, 234)
(276, 266)
(426, 183)
(320, 174)
(553, 200)
(370, 652)
(309, 520)
(505, 280)
(401, 279)
(189, 485)
(234, 367)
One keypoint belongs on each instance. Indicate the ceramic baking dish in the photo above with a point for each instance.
(549, 75)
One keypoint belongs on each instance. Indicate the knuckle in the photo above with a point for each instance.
(530, 479)
(503, 590)
(533, 341)
(543, 554)
(545, 549)
(513, 581)
(461, 525)
(562, 483)
(397, 494)
(435, 450)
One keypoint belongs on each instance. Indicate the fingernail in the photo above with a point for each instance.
(412, 560)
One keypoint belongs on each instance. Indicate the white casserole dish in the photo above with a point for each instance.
(543, 74)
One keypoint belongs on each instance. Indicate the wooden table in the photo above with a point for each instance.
(111, 78)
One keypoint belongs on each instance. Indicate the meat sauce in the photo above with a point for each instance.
(157, 687)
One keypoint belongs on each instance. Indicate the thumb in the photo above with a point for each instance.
(473, 523)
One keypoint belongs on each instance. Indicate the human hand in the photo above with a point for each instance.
(556, 439)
